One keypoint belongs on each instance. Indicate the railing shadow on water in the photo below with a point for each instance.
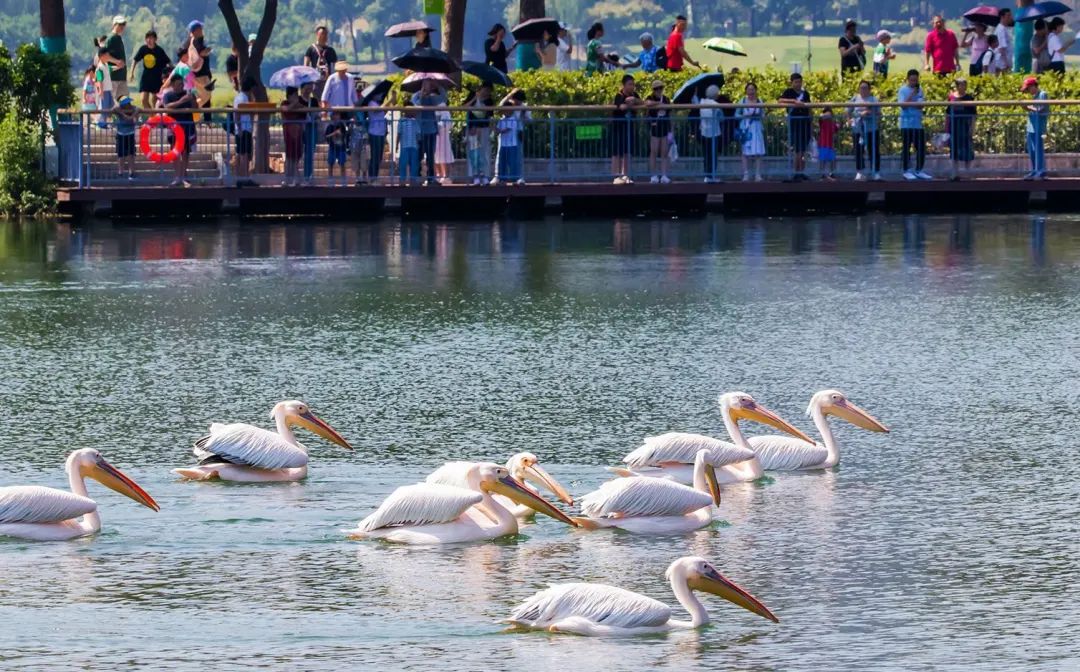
(568, 144)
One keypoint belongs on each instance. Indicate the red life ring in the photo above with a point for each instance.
(173, 127)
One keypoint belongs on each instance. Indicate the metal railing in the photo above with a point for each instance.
(577, 144)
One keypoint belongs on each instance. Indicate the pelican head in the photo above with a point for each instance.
(298, 413)
(833, 402)
(699, 574)
(741, 406)
(525, 468)
(492, 478)
(88, 463)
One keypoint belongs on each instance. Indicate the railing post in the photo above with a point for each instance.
(227, 174)
(551, 147)
(83, 169)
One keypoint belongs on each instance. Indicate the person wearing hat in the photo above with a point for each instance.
(650, 59)
(852, 50)
(155, 62)
(1036, 129)
(564, 49)
(117, 56)
(339, 90)
(659, 119)
(199, 60)
(321, 56)
(495, 48)
(126, 116)
(883, 53)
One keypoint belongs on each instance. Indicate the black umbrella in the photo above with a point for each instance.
(533, 29)
(426, 59)
(407, 29)
(379, 88)
(696, 85)
(486, 73)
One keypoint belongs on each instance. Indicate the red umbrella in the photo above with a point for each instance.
(984, 14)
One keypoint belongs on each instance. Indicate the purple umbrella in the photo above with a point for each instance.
(984, 14)
(413, 82)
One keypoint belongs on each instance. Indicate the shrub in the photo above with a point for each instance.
(40, 82)
(23, 187)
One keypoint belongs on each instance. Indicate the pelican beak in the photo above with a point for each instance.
(510, 487)
(537, 475)
(716, 583)
(848, 411)
(758, 413)
(714, 484)
(114, 479)
(312, 423)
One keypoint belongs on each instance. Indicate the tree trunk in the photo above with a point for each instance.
(530, 9)
(251, 66)
(53, 38)
(352, 38)
(453, 29)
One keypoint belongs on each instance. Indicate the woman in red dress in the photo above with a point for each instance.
(293, 130)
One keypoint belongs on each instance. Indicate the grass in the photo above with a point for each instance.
(781, 51)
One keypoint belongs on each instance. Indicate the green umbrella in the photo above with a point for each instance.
(725, 46)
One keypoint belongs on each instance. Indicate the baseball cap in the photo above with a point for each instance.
(194, 24)
(1029, 82)
(126, 100)
(119, 19)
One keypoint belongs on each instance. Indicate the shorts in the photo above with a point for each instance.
(189, 139)
(125, 145)
(622, 138)
(799, 134)
(1056, 66)
(336, 154)
(120, 88)
(244, 143)
(826, 154)
(660, 128)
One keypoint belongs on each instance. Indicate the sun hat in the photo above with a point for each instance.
(194, 24)
(657, 84)
(882, 34)
(119, 20)
(341, 66)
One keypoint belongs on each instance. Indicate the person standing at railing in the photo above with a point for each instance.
(310, 129)
(941, 51)
(377, 129)
(1036, 129)
(866, 133)
(1023, 31)
(478, 134)
(293, 120)
(622, 130)
(711, 131)
(126, 117)
(175, 101)
(89, 90)
(103, 91)
(827, 128)
(507, 127)
(800, 123)
(337, 147)
(444, 150)
(659, 132)
(912, 135)
(961, 120)
(428, 96)
(154, 61)
(408, 138)
(359, 144)
(1004, 33)
(244, 126)
(751, 131)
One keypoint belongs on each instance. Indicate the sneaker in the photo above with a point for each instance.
(664, 179)
(521, 182)
(655, 179)
(923, 175)
(1041, 175)
(494, 182)
(859, 177)
(708, 180)
(619, 180)
(176, 182)
(908, 175)
(185, 184)
(746, 177)
(627, 180)
(877, 177)
(759, 178)
(130, 178)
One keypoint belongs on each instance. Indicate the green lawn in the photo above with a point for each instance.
(781, 51)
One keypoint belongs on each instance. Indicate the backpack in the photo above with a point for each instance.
(661, 58)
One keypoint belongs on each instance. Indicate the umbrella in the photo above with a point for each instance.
(413, 82)
(407, 29)
(984, 14)
(426, 59)
(725, 46)
(294, 75)
(1041, 10)
(533, 29)
(486, 73)
(695, 84)
(379, 88)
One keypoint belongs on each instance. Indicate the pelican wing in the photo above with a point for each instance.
(421, 504)
(37, 504)
(451, 473)
(682, 448)
(786, 453)
(601, 604)
(640, 496)
(250, 446)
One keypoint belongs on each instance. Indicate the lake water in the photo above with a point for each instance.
(951, 542)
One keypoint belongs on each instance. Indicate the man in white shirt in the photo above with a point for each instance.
(712, 119)
(1004, 32)
(339, 90)
(564, 49)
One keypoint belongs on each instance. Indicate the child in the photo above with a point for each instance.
(89, 90)
(992, 61)
(126, 116)
(827, 128)
(103, 86)
(358, 146)
(883, 53)
(337, 139)
(244, 128)
(408, 132)
(507, 128)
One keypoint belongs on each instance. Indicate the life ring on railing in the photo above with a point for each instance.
(173, 127)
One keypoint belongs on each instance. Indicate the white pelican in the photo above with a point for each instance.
(654, 505)
(671, 455)
(48, 514)
(782, 453)
(241, 452)
(524, 467)
(595, 609)
(433, 513)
